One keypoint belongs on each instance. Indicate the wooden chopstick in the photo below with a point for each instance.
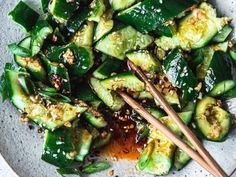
(186, 131)
(168, 133)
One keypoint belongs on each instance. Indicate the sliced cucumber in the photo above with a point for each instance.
(85, 93)
(24, 15)
(51, 117)
(104, 26)
(83, 143)
(107, 68)
(196, 30)
(97, 9)
(186, 117)
(181, 158)
(179, 73)
(121, 4)
(40, 32)
(62, 10)
(119, 42)
(58, 76)
(102, 140)
(230, 94)
(75, 21)
(33, 65)
(219, 79)
(149, 15)
(57, 146)
(145, 60)
(207, 55)
(95, 118)
(212, 121)
(84, 37)
(157, 156)
(223, 34)
(167, 89)
(114, 102)
(124, 80)
(78, 60)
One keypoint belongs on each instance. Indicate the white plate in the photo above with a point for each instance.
(22, 147)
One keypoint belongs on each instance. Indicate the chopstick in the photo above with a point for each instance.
(186, 131)
(163, 129)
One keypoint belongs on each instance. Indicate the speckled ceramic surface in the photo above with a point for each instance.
(22, 147)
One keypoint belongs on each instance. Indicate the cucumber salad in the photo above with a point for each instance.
(72, 62)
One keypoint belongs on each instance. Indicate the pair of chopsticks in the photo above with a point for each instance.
(201, 155)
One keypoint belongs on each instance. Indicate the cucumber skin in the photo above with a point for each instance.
(180, 74)
(200, 109)
(219, 72)
(150, 15)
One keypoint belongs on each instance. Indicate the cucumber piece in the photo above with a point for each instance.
(121, 41)
(57, 37)
(97, 9)
(232, 53)
(102, 140)
(219, 79)
(19, 51)
(62, 10)
(107, 68)
(78, 60)
(167, 90)
(57, 146)
(150, 15)
(207, 55)
(223, 34)
(142, 132)
(95, 118)
(26, 84)
(32, 64)
(145, 60)
(104, 26)
(83, 143)
(45, 4)
(96, 167)
(212, 121)
(180, 74)
(40, 32)
(121, 4)
(24, 15)
(124, 80)
(157, 113)
(58, 76)
(157, 156)
(166, 30)
(181, 158)
(85, 93)
(229, 95)
(51, 117)
(84, 37)
(186, 117)
(196, 30)
(76, 20)
(110, 99)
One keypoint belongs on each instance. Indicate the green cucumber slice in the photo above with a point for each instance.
(119, 42)
(124, 80)
(195, 31)
(24, 15)
(145, 60)
(212, 121)
(110, 99)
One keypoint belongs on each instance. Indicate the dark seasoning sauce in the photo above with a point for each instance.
(123, 144)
